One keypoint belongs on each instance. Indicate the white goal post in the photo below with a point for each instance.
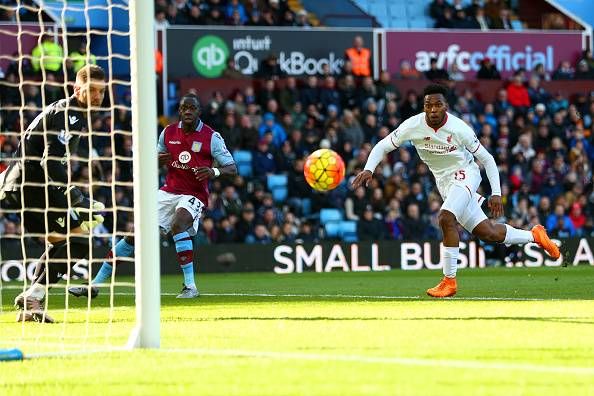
(144, 116)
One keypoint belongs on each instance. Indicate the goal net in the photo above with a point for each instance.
(43, 44)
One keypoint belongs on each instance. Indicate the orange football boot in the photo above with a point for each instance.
(542, 239)
(446, 288)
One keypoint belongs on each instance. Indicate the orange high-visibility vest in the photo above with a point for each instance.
(360, 61)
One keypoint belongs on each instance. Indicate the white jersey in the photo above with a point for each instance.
(446, 149)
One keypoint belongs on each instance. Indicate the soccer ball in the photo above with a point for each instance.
(324, 170)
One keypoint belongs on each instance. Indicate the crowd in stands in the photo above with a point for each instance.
(542, 142)
(478, 14)
(228, 12)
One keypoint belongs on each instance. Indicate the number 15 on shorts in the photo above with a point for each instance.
(460, 175)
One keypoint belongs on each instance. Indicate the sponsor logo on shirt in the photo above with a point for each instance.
(196, 146)
(184, 157)
(174, 142)
(438, 148)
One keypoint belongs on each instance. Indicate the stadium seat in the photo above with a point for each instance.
(332, 230)
(517, 25)
(330, 215)
(277, 184)
(415, 10)
(420, 23)
(348, 231)
(243, 160)
(398, 10)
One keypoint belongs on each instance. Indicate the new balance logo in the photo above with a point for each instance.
(427, 138)
(61, 221)
(174, 142)
(73, 119)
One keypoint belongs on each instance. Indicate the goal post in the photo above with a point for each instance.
(144, 116)
(116, 164)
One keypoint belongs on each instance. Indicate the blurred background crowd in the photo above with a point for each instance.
(542, 141)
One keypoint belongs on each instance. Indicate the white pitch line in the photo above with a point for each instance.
(449, 363)
(351, 296)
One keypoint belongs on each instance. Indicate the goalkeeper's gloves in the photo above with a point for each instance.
(90, 218)
(85, 209)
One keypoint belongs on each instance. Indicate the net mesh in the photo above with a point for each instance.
(101, 168)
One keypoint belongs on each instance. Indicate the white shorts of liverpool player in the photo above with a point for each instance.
(168, 203)
(458, 191)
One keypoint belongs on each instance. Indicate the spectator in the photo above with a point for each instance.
(446, 20)
(80, 58)
(161, 21)
(560, 221)
(488, 71)
(369, 228)
(351, 129)
(407, 72)
(260, 235)
(564, 71)
(360, 58)
(480, 20)
(311, 93)
(48, 55)
(503, 20)
(583, 71)
(302, 19)
(413, 226)
(232, 71)
(249, 134)
(263, 160)
(436, 73)
(270, 125)
(517, 94)
(235, 6)
(289, 95)
(271, 68)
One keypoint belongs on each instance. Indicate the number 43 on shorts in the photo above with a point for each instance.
(460, 175)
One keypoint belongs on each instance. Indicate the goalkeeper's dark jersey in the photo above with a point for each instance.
(49, 141)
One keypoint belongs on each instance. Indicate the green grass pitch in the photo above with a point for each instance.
(508, 332)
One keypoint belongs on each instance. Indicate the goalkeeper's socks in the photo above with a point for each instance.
(185, 257)
(121, 249)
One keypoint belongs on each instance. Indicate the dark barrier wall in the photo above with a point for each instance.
(323, 257)
(203, 51)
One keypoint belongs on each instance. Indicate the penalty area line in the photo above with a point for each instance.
(449, 363)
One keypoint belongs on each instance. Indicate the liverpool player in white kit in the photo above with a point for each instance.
(449, 146)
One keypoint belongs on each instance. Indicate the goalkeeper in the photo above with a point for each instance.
(37, 182)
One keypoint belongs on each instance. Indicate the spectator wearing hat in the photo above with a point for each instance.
(488, 71)
(269, 125)
(301, 19)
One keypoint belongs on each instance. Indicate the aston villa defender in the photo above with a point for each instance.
(190, 148)
(449, 147)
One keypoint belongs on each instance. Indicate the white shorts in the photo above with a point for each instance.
(458, 191)
(168, 203)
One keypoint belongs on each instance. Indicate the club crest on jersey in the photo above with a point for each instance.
(196, 146)
(449, 139)
(64, 137)
(184, 157)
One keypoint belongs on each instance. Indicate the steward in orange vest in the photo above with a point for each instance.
(360, 57)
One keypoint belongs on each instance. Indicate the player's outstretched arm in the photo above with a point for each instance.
(204, 172)
(377, 154)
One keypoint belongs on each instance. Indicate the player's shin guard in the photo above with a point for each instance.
(185, 257)
(515, 236)
(450, 261)
(121, 249)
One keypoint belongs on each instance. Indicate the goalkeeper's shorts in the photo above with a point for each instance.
(33, 208)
